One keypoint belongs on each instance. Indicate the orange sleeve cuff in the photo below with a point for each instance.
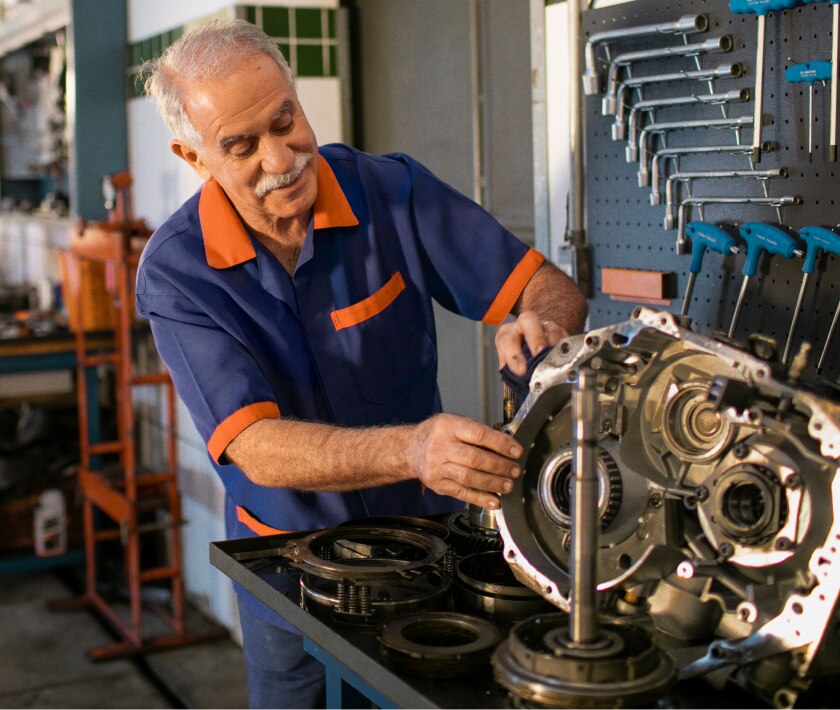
(236, 422)
(512, 288)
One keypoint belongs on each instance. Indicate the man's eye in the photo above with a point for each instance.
(283, 125)
(243, 150)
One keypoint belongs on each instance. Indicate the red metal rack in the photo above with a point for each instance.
(120, 497)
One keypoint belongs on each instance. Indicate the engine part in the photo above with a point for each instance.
(725, 533)
(367, 603)
(364, 552)
(438, 644)
(467, 535)
(363, 574)
(485, 583)
(583, 620)
(538, 664)
(403, 522)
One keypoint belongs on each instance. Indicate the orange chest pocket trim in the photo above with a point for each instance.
(249, 521)
(371, 306)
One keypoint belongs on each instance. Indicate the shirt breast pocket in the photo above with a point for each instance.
(385, 339)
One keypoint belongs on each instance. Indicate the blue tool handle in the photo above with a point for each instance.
(772, 238)
(784, 4)
(754, 7)
(704, 236)
(809, 72)
(819, 239)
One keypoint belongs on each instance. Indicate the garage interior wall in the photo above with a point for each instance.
(447, 82)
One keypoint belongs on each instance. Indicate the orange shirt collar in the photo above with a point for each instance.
(226, 240)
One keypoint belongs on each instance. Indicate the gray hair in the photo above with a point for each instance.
(208, 51)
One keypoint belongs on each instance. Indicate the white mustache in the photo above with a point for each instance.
(274, 181)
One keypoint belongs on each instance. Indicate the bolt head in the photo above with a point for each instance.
(783, 544)
(793, 481)
(740, 450)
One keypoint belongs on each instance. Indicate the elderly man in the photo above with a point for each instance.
(291, 299)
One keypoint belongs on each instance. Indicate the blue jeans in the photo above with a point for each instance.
(280, 673)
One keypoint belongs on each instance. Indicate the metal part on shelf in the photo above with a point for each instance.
(365, 552)
(485, 583)
(369, 602)
(466, 537)
(726, 529)
(403, 522)
(364, 574)
(438, 644)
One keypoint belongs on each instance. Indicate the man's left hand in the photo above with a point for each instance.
(528, 330)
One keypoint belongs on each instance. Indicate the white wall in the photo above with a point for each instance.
(161, 183)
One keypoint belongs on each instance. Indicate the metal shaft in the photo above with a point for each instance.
(739, 305)
(689, 290)
(795, 319)
(829, 336)
(835, 29)
(811, 122)
(583, 624)
(759, 87)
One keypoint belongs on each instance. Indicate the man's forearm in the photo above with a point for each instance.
(451, 455)
(553, 296)
(319, 457)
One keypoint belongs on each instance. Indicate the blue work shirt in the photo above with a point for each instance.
(348, 339)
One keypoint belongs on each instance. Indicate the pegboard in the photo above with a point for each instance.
(626, 231)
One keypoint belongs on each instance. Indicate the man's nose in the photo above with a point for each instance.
(277, 158)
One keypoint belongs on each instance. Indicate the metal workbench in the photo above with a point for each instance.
(350, 656)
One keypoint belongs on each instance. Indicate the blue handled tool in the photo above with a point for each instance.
(809, 73)
(817, 240)
(835, 31)
(704, 236)
(761, 8)
(761, 237)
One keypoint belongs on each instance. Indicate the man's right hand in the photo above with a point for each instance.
(457, 456)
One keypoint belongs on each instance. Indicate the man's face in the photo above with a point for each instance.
(257, 145)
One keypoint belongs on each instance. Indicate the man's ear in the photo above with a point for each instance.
(190, 156)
